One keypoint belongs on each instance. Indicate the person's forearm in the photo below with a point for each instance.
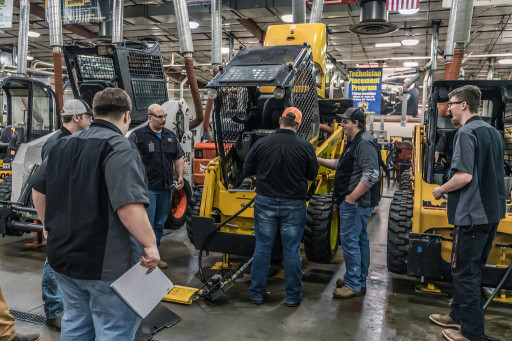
(358, 192)
(134, 217)
(179, 165)
(328, 163)
(458, 181)
(39, 200)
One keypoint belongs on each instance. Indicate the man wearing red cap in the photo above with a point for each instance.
(283, 163)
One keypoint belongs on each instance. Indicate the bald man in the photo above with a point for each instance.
(161, 154)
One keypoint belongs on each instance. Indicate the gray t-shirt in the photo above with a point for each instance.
(479, 151)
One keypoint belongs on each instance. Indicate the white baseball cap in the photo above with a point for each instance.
(76, 106)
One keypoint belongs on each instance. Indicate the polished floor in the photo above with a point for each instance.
(391, 310)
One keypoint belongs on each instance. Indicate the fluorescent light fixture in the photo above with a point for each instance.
(329, 66)
(410, 42)
(505, 61)
(410, 64)
(287, 18)
(224, 50)
(30, 58)
(193, 24)
(387, 44)
(33, 34)
(409, 11)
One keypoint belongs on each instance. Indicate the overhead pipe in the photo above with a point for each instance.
(316, 11)
(13, 69)
(424, 96)
(118, 16)
(434, 44)
(187, 50)
(55, 26)
(216, 10)
(459, 29)
(299, 11)
(23, 37)
(182, 86)
(487, 105)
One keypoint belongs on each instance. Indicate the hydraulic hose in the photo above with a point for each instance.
(203, 245)
(207, 114)
(498, 288)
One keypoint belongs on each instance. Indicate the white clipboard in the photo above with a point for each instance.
(140, 290)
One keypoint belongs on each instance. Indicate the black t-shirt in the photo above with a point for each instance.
(158, 155)
(52, 140)
(445, 146)
(86, 178)
(283, 163)
(412, 102)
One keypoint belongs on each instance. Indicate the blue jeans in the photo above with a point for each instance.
(93, 311)
(288, 217)
(355, 243)
(53, 306)
(158, 211)
(471, 247)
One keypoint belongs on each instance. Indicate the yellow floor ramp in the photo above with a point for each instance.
(183, 295)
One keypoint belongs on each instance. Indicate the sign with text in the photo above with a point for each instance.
(365, 89)
(83, 11)
(6, 13)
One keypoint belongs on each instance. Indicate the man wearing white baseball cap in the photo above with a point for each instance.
(76, 116)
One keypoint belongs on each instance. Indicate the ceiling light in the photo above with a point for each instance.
(409, 11)
(329, 65)
(193, 24)
(287, 18)
(410, 64)
(33, 34)
(410, 40)
(505, 61)
(387, 44)
(224, 50)
(30, 58)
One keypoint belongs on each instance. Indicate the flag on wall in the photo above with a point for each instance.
(396, 5)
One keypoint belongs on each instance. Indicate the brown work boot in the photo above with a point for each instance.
(162, 264)
(345, 292)
(341, 282)
(54, 323)
(454, 335)
(27, 337)
(444, 321)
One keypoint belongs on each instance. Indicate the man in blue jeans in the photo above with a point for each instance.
(76, 116)
(356, 191)
(283, 163)
(90, 194)
(161, 153)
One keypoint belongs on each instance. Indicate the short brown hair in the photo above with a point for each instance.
(67, 118)
(288, 122)
(111, 103)
(470, 94)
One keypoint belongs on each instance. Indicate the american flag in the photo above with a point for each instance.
(396, 5)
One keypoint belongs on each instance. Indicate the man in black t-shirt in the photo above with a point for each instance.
(444, 149)
(283, 163)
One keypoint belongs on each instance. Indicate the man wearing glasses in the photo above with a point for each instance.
(161, 153)
(476, 203)
(76, 116)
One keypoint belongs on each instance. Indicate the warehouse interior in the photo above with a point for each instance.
(53, 51)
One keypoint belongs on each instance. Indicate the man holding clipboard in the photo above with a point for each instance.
(90, 193)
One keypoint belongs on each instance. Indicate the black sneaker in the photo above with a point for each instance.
(293, 304)
(257, 301)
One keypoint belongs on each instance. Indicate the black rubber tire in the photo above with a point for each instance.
(399, 227)
(193, 210)
(173, 222)
(405, 180)
(6, 189)
(317, 233)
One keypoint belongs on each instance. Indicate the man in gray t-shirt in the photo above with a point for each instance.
(476, 203)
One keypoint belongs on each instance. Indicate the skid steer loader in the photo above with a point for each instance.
(32, 115)
(419, 236)
(250, 94)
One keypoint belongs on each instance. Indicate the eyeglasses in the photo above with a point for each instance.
(452, 103)
(160, 117)
(345, 121)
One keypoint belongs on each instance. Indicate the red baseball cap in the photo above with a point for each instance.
(293, 114)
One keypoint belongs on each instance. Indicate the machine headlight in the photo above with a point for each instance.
(212, 93)
(279, 93)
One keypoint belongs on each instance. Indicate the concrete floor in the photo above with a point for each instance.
(391, 310)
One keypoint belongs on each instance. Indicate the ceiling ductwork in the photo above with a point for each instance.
(373, 19)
